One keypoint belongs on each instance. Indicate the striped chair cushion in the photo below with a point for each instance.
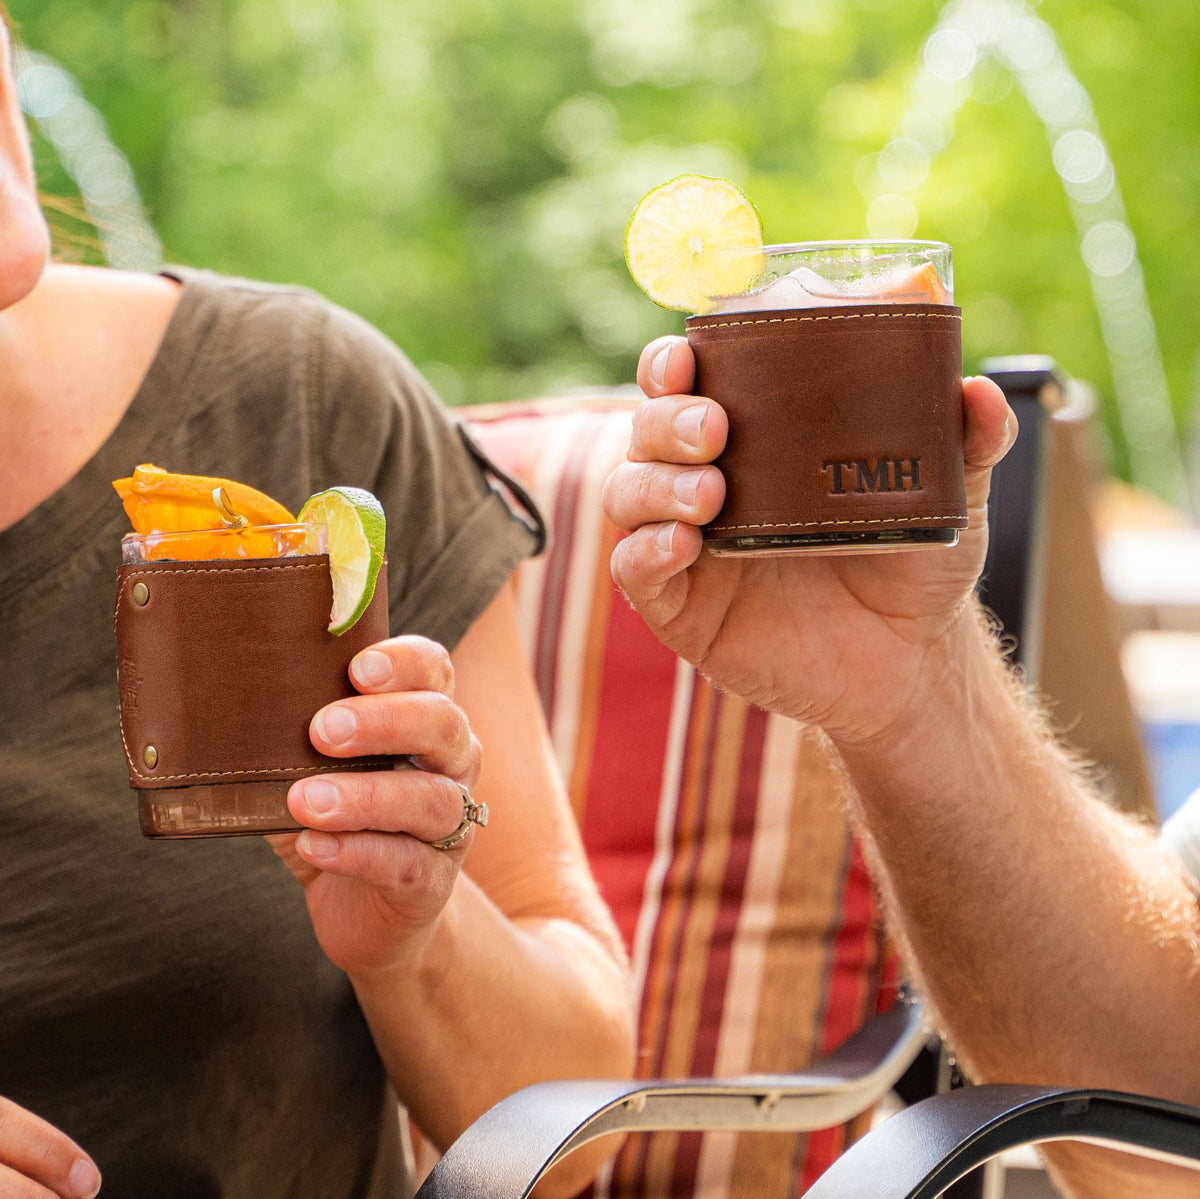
(714, 829)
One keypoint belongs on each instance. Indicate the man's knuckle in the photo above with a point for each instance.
(621, 480)
(644, 553)
(616, 562)
(629, 563)
(609, 495)
(645, 486)
(644, 419)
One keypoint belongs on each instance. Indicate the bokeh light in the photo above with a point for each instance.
(99, 170)
(1008, 34)
(461, 173)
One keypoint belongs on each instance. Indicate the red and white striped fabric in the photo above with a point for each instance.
(714, 828)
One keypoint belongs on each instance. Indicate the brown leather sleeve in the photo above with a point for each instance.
(224, 665)
(846, 419)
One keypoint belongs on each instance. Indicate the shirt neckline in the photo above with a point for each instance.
(86, 506)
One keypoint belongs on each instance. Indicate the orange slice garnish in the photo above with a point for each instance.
(921, 285)
(157, 501)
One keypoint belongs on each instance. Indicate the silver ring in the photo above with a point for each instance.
(473, 813)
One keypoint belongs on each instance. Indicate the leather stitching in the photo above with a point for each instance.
(212, 774)
(221, 570)
(850, 316)
(807, 524)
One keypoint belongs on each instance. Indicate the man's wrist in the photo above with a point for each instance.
(941, 694)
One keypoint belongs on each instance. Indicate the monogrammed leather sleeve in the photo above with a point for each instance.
(840, 419)
(221, 666)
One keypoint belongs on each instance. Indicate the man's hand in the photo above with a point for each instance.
(39, 1162)
(843, 641)
(374, 889)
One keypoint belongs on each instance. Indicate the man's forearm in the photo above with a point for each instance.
(1055, 942)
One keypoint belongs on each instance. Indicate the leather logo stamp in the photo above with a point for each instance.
(131, 681)
(861, 475)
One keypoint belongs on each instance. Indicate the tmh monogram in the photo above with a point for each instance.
(858, 476)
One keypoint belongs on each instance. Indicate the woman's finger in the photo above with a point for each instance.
(666, 366)
(403, 664)
(391, 863)
(425, 725)
(678, 428)
(423, 805)
(642, 493)
(21, 1186)
(37, 1151)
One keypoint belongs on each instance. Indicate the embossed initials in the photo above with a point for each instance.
(887, 474)
(131, 681)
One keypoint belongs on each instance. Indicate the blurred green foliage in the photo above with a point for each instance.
(461, 172)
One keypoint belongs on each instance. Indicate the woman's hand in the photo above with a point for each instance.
(840, 641)
(39, 1162)
(374, 889)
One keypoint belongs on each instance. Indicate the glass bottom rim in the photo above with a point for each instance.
(885, 541)
(242, 809)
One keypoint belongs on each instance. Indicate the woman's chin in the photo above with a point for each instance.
(24, 252)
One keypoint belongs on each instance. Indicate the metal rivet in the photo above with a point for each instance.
(150, 757)
(141, 593)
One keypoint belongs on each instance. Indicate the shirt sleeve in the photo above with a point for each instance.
(454, 534)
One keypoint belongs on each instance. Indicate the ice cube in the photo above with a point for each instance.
(803, 288)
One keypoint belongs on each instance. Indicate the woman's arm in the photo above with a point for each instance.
(520, 977)
(524, 977)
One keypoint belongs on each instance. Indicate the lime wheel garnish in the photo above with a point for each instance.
(355, 530)
(678, 240)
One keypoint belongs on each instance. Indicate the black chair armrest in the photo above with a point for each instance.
(509, 1148)
(920, 1151)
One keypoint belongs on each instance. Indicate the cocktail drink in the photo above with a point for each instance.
(227, 647)
(838, 365)
(839, 368)
(293, 540)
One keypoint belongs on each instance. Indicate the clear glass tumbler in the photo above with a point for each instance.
(837, 363)
(825, 274)
(224, 655)
(197, 545)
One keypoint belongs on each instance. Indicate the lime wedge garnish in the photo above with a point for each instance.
(674, 238)
(354, 533)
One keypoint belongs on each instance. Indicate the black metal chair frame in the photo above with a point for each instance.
(920, 1152)
(511, 1146)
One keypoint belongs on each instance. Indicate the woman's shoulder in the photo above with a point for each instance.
(288, 335)
(303, 394)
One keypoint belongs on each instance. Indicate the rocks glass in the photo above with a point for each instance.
(222, 663)
(839, 367)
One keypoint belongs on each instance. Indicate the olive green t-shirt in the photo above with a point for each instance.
(166, 1003)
